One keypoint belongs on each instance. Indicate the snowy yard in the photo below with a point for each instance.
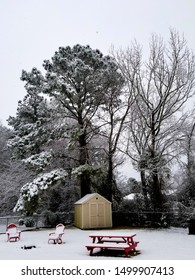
(155, 244)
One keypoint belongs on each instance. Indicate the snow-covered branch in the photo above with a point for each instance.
(41, 183)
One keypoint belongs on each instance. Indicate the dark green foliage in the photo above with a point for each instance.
(51, 218)
(132, 213)
(29, 222)
(54, 218)
(31, 206)
(21, 222)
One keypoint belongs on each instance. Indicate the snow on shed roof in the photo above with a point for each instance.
(87, 197)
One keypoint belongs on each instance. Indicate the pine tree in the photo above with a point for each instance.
(76, 82)
(30, 124)
(77, 79)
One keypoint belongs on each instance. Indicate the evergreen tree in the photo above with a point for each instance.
(77, 80)
(31, 123)
(4, 152)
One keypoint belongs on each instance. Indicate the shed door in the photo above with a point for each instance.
(97, 215)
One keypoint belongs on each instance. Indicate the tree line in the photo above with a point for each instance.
(85, 112)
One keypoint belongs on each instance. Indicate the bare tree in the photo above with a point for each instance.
(160, 87)
(114, 116)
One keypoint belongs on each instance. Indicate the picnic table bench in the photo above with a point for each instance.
(113, 242)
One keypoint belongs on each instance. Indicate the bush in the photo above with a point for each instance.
(29, 222)
(21, 222)
(132, 213)
(52, 219)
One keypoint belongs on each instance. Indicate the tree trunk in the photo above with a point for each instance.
(83, 159)
(190, 166)
(156, 194)
(144, 188)
(109, 191)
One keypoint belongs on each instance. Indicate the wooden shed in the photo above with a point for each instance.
(93, 211)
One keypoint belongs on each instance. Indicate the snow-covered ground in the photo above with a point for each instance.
(155, 244)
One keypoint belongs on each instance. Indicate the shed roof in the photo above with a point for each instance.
(87, 197)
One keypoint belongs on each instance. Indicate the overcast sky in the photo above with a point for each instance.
(32, 30)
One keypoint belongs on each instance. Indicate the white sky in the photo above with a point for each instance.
(31, 31)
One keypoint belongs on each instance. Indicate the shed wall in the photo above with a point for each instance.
(78, 217)
(93, 213)
(108, 215)
(85, 215)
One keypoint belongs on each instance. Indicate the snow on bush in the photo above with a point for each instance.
(42, 182)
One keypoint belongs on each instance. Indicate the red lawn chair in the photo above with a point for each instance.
(56, 236)
(12, 233)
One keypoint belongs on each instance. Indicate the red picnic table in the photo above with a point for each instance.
(114, 242)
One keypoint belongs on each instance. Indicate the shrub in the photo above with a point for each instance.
(132, 213)
(21, 222)
(52, 219)
(29, 222)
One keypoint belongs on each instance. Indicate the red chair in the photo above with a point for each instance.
(12, 233)
(56, 236)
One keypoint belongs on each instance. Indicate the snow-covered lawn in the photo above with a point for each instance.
(155, 244)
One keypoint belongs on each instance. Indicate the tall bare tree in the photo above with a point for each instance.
(115, 111)
(161, 86)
